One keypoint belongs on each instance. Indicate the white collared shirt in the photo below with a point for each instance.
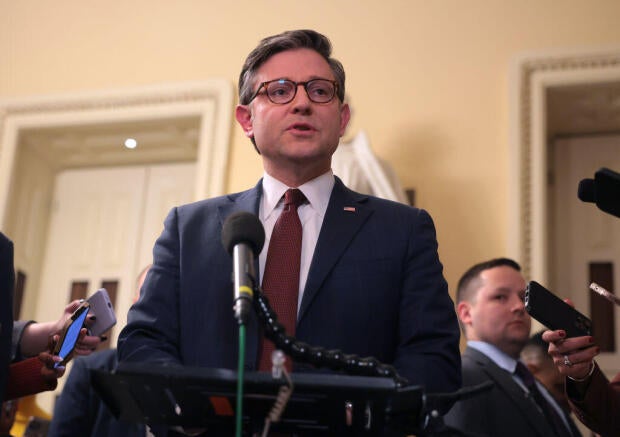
(311, 215)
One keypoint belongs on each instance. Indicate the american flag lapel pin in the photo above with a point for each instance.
(349, 208)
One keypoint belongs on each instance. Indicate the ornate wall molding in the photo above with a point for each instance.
(533, 75)
(210, 100)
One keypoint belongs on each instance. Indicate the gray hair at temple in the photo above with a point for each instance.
(289, 40)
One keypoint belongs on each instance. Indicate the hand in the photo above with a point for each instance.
(50, 373)
(574, 356)
(86, 343)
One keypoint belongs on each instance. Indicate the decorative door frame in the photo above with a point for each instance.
(532, 75)
(210, 100)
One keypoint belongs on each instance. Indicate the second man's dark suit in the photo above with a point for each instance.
(375, 288)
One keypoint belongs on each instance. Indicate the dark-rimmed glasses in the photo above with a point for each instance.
(281, 91)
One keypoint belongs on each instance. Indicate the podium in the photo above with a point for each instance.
(321, 403)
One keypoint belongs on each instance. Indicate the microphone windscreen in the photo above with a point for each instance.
(607, 191)
(243, 227)
(586, 192)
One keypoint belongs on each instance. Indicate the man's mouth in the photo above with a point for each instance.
(301, 127)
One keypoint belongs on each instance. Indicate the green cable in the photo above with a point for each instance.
(240, 377)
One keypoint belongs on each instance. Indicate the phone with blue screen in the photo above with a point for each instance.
(70, 334)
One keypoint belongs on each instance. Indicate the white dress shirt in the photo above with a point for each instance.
(311, 214)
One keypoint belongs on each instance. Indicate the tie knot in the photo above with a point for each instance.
(293, 196)
(526, 376)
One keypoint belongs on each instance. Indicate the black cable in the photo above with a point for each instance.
(315, 355)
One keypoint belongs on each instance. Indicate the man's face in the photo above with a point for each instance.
(496, 313)
(301, 132)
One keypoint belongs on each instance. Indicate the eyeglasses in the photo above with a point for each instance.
(281, 91)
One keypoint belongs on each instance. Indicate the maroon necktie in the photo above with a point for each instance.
(550, 413)
(281, 276)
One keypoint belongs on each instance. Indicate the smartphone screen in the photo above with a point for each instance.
(71, 336)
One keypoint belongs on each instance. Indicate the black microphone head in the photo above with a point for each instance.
(586, 192)
(243, 227)
(607, 191)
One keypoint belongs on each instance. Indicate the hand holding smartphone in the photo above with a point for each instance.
(554, 313)
(70, 334)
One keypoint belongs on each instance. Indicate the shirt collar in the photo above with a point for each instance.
(500, 358)
(317, 191)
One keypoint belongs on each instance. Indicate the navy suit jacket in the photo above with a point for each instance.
(375, 288)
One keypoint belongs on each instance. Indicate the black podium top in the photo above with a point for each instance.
(321, 404)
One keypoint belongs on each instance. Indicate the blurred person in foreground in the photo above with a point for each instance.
(79, 411)
(26, 360)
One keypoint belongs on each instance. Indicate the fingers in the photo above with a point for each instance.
(90, 320)
(86, 344)
(52, 342)
(553, 336)
(48, 359)
(572, 356)
(49, 373)
(578, 364)
(72, 306)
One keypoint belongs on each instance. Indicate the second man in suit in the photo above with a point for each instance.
(490, 307)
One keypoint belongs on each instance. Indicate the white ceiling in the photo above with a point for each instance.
(103, 144)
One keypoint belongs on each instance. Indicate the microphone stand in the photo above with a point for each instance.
(241, 314)
(240, 378)
(430, 420)
(315, 355)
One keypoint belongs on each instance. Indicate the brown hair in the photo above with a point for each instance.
(289, 40)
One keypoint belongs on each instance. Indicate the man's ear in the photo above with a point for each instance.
(244, 118)
(345, 116)
(463, 311)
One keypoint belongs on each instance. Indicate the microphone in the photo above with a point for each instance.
(243, 237)
(604, 190)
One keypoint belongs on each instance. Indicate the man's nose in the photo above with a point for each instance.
(301, 96)
(518, 304)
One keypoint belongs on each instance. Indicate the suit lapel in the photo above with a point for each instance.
(346, 213)
(504, 382)
(244, 201)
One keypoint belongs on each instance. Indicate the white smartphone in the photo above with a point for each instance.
(101, 307)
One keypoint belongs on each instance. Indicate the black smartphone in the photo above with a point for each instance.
(554, 313)
(70, 334)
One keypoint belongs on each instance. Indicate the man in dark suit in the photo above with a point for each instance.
(370, 280)
(492, 314)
